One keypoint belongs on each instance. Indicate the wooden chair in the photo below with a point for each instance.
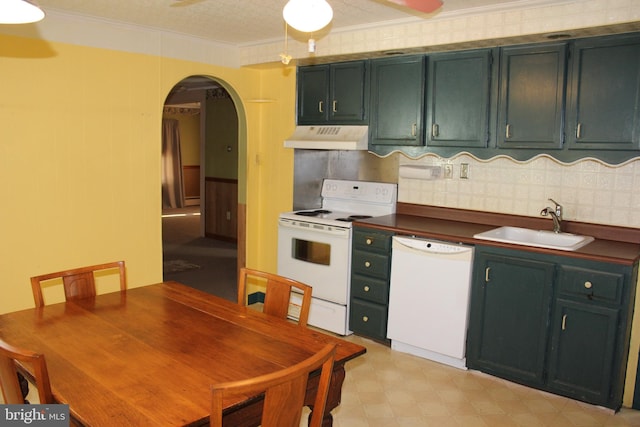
(10, 360)
(79, 282)
(278, 293)
(284, 392)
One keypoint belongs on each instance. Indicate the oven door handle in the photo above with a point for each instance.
(315, 228)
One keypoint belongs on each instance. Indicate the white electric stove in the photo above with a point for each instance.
(314, 245)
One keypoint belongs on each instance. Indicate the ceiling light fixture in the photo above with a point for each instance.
(307, 15)
(20, 12)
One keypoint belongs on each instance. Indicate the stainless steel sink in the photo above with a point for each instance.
(538, 238)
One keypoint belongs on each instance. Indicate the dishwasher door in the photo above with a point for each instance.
(429, 299)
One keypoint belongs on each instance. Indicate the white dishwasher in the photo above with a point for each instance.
(429, 299)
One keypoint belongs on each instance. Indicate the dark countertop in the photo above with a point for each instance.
(462, 228)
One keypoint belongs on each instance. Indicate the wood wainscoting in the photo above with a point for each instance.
(221, 209)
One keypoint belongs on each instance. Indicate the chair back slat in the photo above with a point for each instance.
(78, 282)
(284, 392)
(14, 359)
(278, 293)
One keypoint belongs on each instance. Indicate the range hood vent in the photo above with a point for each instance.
(329, 138)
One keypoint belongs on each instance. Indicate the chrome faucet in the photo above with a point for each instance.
(556, 215)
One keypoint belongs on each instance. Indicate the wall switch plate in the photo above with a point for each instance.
(464, 170)
(448, 170)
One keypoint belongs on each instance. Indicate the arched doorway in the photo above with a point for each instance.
(203, 219)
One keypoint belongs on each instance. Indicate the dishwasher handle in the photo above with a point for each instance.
(432, 248)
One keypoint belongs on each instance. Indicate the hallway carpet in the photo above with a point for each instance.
(182, 243)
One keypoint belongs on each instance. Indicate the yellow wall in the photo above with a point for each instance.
(189, 125)
(80, 159)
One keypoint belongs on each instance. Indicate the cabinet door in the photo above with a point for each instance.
(397, 96)
(532, 82)
(582, 351)
(458, 99)
(313, 94)
(510, 310)
(349, 95)
(604, 94)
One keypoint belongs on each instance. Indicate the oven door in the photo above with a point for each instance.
(318, 255)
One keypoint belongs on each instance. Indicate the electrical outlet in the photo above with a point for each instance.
(448, 170)
(464, 170)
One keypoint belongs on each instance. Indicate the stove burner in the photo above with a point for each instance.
(313, 213)
(352, 218)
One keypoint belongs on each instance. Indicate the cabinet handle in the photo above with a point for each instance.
(366, 288)
(579, 131)
(486, 274)
(369, 241)
(414, 129)
(367, 264)
(335, 106)
(365, 319)
(320, 106)
(564, 322)
(507, 133)
(435, 130)
(588, 285)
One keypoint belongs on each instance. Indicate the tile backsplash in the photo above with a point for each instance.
(589, 190)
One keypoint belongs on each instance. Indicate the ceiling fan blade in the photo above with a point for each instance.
(426, 6)
(183, 3)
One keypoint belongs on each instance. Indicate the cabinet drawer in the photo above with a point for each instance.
(593, 284)
(370, 264)
(368, 318)
(372, 241)
(370, 289)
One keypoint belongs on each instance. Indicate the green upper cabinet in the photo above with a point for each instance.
(532, 82)
(603, 99)
(458, 99)
(397, 97)
(333, 94)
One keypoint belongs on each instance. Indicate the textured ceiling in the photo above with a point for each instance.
(244, 22)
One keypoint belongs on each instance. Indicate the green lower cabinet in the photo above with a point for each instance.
(370, 275)
(582, 351)
(368, 319)
(508, 320)
(556, 323)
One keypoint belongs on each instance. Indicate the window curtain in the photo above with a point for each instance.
(172, 187)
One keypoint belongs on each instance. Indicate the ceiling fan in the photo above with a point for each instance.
(426, 6)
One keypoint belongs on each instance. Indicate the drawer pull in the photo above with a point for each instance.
(321, 107)
(369, 241)
(367, 264)
(486, 274)
(365, 319)
(366, 288)
(335, 106)
(564, 322)
(588, 285)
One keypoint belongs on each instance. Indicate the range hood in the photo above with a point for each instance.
(330, 137)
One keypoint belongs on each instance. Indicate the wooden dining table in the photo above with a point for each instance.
(148, 355)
